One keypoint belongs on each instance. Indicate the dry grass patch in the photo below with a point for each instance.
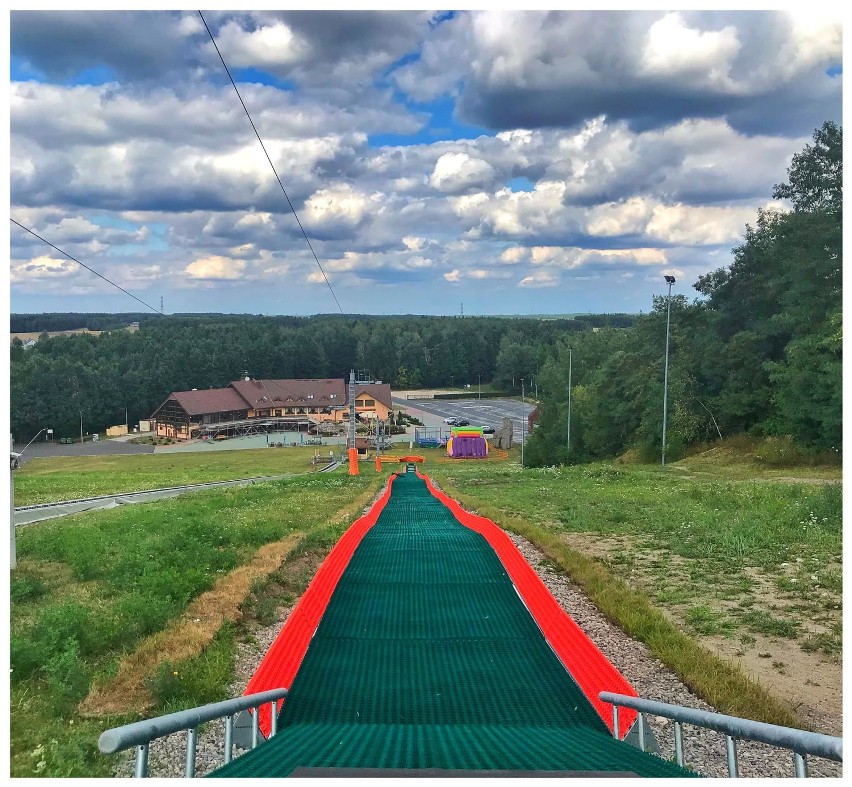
(186, 636)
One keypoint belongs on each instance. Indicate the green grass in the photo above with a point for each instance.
(693, 545)
(48, 480)
(89, 588)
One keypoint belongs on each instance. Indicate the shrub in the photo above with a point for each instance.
(25, 587)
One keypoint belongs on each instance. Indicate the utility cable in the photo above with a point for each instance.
(275, 172)
(85, 266)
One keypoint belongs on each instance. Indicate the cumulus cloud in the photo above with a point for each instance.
(530, 69)
(458, 172)
(626, 143)
(219, 268)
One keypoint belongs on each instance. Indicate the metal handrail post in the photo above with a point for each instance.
(141, 770)
(255, 727)
(800, 764)
(642, 731)
(191, 739)
(615, 721)
(731, 750)
(229, 738)
(274, 711)
(679, 743)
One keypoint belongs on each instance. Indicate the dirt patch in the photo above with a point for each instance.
(186, 636)
(810, 682)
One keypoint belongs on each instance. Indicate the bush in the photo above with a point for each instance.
(25, 587)
(67, 676)
(779, 452)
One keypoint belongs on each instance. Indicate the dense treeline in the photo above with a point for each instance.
(760, 353)
(61, 376)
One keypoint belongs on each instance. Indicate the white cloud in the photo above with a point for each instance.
(539, 279)
(455, 172)
(215, 267)
(674, 50)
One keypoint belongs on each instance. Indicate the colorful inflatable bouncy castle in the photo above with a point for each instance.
(467, 442)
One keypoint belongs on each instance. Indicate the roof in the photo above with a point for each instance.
(381, 392)
(289, 393)
(209, 400)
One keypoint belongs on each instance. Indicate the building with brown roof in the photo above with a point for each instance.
(246, 406)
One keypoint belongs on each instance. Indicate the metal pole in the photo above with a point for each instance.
(523, 413)
(666, 376)
(479, 377)
(733, 765)
(191, 739)
(642, 731)
(570, 351)
(679, 743)
(229, 738)
(81, 426)
(141, 770)
(13, 549)
(615, 721)
(801, 766)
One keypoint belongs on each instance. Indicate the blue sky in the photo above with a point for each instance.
(515, 162)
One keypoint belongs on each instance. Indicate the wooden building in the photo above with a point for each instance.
(251, 406)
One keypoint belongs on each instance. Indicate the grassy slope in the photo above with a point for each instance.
(681, 542)
(89, 588)
(70, 478)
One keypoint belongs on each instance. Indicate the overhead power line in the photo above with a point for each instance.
(83, 264)
(275, 172)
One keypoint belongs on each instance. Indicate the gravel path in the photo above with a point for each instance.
(704, 750)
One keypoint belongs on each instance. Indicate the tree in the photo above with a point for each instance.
(816, 174)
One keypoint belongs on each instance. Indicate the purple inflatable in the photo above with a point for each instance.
(469, 448)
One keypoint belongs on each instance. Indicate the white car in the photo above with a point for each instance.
(451, 420)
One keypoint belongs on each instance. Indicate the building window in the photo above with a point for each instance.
(369, 403)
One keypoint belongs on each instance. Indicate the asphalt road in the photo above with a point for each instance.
(100, 448)
(480, 412)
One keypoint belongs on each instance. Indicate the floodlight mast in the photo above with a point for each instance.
(669, 280)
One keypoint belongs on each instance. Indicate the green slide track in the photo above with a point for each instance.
(426, 658)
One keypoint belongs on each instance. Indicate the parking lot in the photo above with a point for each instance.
(480, 412)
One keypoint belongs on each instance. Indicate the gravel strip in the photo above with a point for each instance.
(704, 750)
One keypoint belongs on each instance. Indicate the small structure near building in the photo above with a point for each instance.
(116, 431)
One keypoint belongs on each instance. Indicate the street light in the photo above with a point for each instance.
(523, 413)
(570, 351)
(81, 427)
(479, 379)
(669, 280)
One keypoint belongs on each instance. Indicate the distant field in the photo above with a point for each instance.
(71, 478)
(35, 334)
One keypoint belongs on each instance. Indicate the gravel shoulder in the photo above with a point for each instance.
(704, 750)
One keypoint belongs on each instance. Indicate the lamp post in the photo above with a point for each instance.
(81, 427)
(523, 413)
(479, 381)
(669, 280)
(570, 351)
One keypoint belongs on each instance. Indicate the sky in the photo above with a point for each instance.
(490, 162)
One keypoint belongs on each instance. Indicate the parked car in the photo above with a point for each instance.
(451, 420)
(461, 422)
(488, 430)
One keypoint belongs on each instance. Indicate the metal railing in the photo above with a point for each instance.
(141, 733)
(800, 742)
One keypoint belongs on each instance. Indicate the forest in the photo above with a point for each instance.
(758, 350)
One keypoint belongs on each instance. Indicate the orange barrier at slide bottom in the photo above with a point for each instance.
(282, 660)
(406, 459)
(353, 461)
(590, 669)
